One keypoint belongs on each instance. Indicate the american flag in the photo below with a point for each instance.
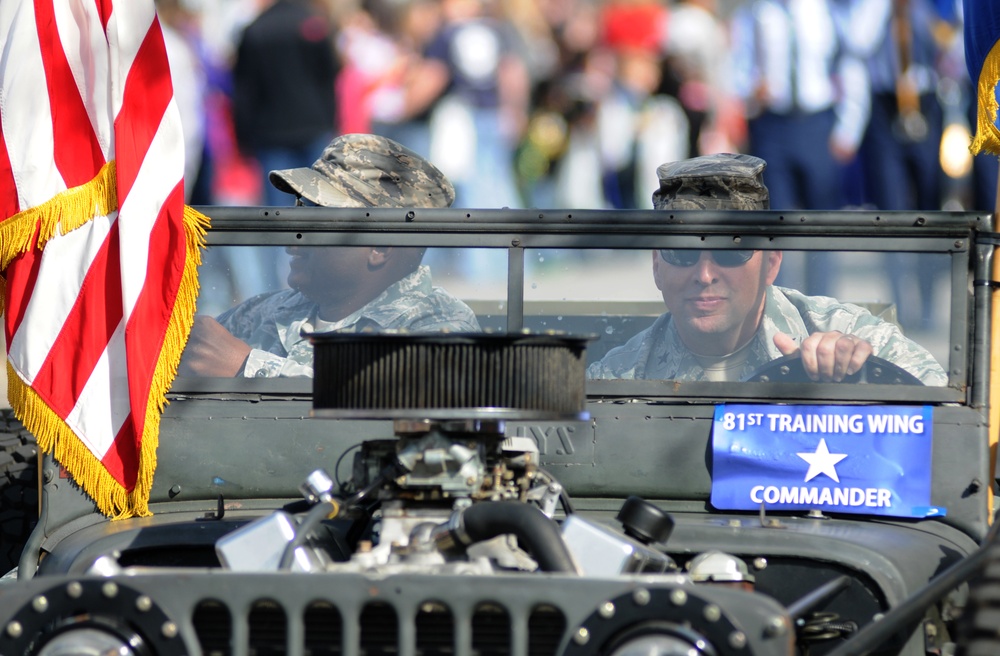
(982, 55)
(98, 252)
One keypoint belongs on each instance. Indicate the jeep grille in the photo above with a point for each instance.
(433, 629)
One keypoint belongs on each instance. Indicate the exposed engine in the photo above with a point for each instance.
(452, 493)
(455, 497)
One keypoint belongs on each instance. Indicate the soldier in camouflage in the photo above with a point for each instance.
(346, 289)
(726, 318)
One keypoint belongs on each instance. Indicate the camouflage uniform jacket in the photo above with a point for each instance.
(657, 352)
(273, 323)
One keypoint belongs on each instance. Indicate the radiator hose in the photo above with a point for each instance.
(536, 533)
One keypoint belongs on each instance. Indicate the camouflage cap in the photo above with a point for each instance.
(367, 170)
(712, 182)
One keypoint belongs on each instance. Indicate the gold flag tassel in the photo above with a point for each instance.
(987, 137)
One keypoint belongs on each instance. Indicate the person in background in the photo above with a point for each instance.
(482, 107)
(806, 102)
(345, 289)
(283, 87)
(696, 46)
(900, 162)
(401, 100)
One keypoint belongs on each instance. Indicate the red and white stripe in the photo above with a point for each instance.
(84, 82)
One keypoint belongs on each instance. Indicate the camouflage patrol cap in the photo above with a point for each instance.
(712, 182)
(367, 170)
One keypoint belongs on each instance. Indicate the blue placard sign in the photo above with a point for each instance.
(872, 460)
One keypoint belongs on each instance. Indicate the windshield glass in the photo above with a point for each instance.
(258, 303)
(655, 314)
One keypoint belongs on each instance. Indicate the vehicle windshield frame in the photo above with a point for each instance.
(518, 231)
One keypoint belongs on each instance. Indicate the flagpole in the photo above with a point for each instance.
(996, 198)
(994, 410)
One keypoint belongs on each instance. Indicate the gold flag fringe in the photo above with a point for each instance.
(987, 137)
(63, 213)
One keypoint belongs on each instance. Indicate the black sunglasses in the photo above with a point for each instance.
(687, 258)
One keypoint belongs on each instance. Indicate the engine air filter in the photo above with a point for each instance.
(449, 376)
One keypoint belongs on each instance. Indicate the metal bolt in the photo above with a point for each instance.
(678, 597)
(607, 610)
(712, 613)
(760, 563)
(515, 242)
(737, 640)
(143, 603)
(641, 596)
(169, 630)
(14, 629)
(74, 590)
(109, 590)
(776, 626)
(582, 636)
(40, 604)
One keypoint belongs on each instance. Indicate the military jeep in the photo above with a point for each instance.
(476, 493)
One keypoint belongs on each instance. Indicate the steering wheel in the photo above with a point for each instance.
(875, 370)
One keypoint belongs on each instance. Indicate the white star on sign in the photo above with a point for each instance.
(822, 462)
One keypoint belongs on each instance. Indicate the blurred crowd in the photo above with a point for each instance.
(574, 103)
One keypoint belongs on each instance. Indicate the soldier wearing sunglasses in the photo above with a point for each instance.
(726, 318)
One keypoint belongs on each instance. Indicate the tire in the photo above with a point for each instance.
(18, 488)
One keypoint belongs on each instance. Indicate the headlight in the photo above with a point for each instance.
(664, 621)
(91, 641)
(660, 639)
(90, 617)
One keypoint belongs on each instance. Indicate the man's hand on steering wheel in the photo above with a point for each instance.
(827, 356)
